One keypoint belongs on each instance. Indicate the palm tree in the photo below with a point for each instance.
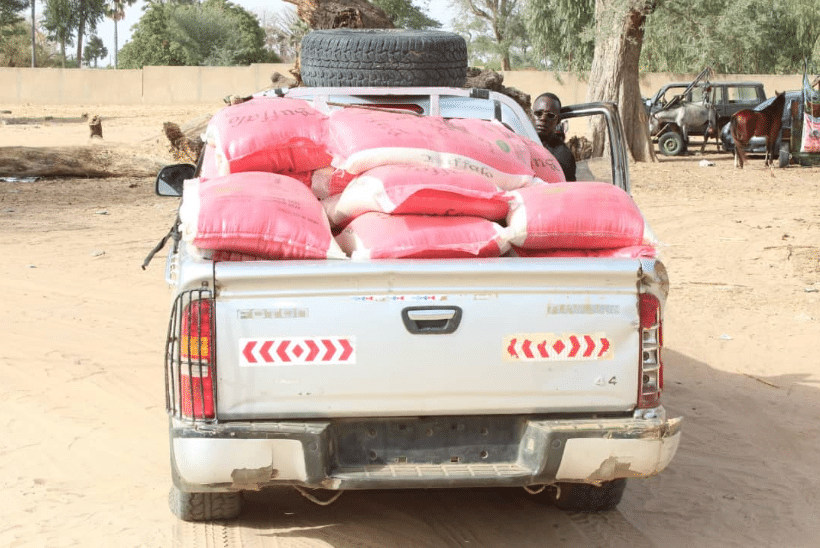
(116, 11)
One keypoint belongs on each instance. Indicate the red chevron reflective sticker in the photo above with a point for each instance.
(537, 347)
(297, 351)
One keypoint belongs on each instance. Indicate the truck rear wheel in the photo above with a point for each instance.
(671, 144)
(584, 497)
(204, 506)
(383, 58)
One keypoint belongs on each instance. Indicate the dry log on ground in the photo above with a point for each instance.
(88, 161)
(44, 120)
(334, 14)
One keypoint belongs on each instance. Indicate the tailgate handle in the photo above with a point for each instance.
(431, 320)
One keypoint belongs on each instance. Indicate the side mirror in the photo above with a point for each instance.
(171, 178)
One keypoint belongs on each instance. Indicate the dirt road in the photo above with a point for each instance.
(83, 438)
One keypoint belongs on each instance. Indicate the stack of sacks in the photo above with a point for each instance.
(582, 219)
(252, 199)
(409, 186)
(391, 185)
(255, 215)
(397, 211)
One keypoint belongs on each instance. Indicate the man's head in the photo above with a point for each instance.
(547, 111)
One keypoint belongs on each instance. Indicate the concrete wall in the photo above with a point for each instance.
(44, 86)
(186, 85)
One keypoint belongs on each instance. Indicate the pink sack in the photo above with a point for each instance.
(361, 139)
(579, 215)
(328, 181)
(304, 177)
(269, 134)
(543, 163)
(382, 236)
(261, 214)
(632, 252)
(409, 190)
(208, 170)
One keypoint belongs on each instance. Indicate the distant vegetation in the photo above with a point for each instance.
(213, 33)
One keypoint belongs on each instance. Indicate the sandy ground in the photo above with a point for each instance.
(83, 438)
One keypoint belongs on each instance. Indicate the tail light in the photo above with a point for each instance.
(191, 357)
(651, 362)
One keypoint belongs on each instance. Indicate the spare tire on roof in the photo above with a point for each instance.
(383, 58)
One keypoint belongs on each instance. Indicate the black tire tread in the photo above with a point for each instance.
(204, 506)
(584, 497)
(383, 57)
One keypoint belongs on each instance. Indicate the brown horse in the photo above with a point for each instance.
(748, 123)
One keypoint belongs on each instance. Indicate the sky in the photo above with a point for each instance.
(438, 9)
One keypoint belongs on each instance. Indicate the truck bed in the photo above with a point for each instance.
(324, 339)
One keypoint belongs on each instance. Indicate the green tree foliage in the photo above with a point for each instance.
(94, 50)
(59, 20)
(87, 13)
(807, 22)
(731, 36)
(496, 33)
(405, 15)
(150, 44)
(115, 10)
(15, 48)
(9, 17)
(11, 31)
(214, 33)
(562, 33)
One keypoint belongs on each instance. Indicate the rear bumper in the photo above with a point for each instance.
(420, 453)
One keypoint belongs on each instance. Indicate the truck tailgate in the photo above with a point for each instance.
(397, 338)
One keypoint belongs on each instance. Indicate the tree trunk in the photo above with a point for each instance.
(614, 73)
(93, 161)
(505, 53)
(80, 31)
(332, 14)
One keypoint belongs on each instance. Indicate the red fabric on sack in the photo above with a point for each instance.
(544, 164)
(382, 236)
(361, 139)
(269, 134)
(578, 215)
(266, 215)
(412, 190)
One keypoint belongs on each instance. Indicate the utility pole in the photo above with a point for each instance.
(33, 38)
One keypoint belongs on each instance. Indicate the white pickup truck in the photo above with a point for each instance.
(541, 373)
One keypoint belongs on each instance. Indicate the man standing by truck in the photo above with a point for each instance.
(547, 111)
